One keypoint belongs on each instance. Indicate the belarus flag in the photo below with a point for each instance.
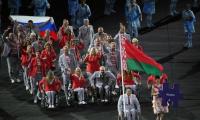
(44, 23)
(135, 59)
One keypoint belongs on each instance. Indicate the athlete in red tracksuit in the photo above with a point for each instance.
(65, 34)
(50, 85)
(131, 79)
(49, 57)
(36, 70)
(78, 85)
(93, 61)
(66, 38)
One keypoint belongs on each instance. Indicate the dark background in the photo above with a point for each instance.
(58, 10)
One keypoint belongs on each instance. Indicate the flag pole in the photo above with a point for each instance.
(122, 74)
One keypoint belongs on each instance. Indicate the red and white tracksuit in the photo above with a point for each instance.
(78, 85)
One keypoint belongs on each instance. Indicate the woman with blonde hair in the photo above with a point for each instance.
(50, 85)
(78, 84)
(93, 61)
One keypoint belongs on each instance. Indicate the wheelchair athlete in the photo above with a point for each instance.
(102, 81)
(78, 84)
(50, 85)
(129, 106)
(131, 80)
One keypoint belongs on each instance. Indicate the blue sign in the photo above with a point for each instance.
(171, 95)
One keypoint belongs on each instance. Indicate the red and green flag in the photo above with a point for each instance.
(137, 60)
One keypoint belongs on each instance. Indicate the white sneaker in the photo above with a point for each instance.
(27, 87)
(52, 106)
(83, 102)
(35, 101)
(102, 100)
(12, 80)
(106, 100)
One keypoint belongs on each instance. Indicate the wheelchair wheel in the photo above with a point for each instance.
(70, 97)
(44, 103)
(57, 100)
(91, 95)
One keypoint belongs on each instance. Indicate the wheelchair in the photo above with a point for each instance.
(97, 97)
(44, 100)
(70, 97)
(123, 117)
(73, 97)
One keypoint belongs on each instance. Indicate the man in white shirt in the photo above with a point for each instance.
(129, 106)
(86, 33)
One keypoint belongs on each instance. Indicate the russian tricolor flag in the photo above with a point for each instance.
(44, 23)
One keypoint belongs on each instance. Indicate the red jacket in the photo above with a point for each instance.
(128, 80)
(137, 75)
(80, 46)
(33, 67)
(77, 82)
(65, 38)
(163, 77)
(50, 56)
(54, 86)
(25, 59)
(93, 63)
(152, 80)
